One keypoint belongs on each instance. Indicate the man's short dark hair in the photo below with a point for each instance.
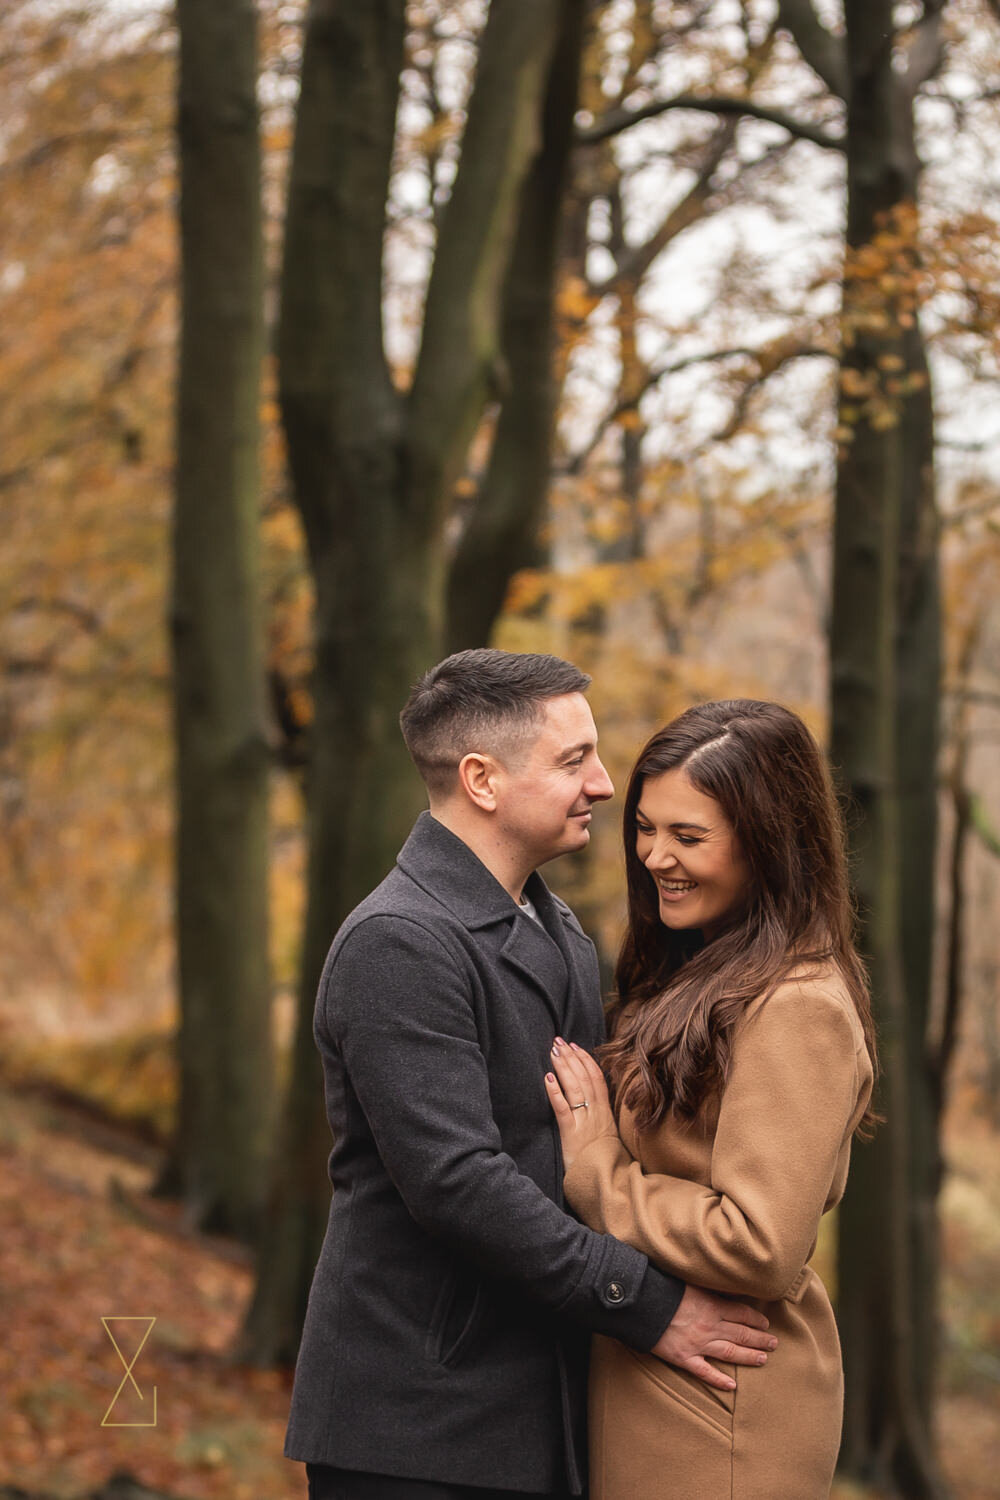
(484, 700)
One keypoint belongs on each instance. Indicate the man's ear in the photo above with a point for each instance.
(478, 775)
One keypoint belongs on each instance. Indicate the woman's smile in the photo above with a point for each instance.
(675, 890)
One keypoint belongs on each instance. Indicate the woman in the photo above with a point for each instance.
(741, 1062)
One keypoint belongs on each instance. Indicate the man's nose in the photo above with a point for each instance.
(599, 785)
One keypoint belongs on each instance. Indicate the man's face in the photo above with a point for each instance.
(545, 795)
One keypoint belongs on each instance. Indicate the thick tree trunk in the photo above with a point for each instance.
(500, 535)
(374, 473)
(918, 667)
(884, 693)
(218, 1161)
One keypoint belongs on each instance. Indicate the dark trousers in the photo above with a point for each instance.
(326, 1483)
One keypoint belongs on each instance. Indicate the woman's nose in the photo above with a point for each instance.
(660, 857)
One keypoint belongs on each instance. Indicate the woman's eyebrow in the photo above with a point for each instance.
(695, 827)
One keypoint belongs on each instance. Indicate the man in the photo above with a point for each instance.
(444, 1355)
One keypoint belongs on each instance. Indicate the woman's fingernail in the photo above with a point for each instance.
(560, 1042)
(555, 1049)
(575, 1047)
(550, 1078)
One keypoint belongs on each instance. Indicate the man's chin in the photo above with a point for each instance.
(576, 837)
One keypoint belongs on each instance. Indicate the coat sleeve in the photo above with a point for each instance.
(396, 1006)
(797, 1086)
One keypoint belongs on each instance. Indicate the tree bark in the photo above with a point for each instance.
(918, 690)
(218, 1160)
(500, 534)
(884, 692)
(374, 472)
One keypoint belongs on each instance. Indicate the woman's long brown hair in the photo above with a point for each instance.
(678, 998)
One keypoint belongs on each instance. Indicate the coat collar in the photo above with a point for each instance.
(441, 864)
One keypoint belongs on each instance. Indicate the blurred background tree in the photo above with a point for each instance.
(222, 1142)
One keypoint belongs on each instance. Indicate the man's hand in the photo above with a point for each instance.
(707, 1325)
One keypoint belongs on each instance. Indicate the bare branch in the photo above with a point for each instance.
(821, 49)
(926, 53)
(618, 120)
(983, 696)
(575, 464)
(87, 618)
(970, 512)
(460, 344)
(632, 265)
(766, 368)
(101, 138)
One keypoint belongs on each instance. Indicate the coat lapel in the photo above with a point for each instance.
(532, 953)
(555, 958)
(582, 1018)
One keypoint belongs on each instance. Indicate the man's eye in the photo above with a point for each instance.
(577, 762)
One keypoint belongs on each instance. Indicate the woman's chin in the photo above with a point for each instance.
(672, 916)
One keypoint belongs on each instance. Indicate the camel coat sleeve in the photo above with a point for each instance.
(799, 1081)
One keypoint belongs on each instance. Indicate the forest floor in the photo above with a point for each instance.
(81, 1240)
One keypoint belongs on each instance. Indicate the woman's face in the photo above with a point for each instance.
(688, 846)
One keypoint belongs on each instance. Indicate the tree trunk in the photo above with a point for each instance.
(499, 537)
(883, 741)
(226, 1081)
(374, 472)
(918, 690)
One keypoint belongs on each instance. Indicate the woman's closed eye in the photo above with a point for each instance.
(687, 839)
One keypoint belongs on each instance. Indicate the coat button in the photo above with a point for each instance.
(615, 1292)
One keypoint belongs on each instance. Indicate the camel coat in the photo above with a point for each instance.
(733, 1201)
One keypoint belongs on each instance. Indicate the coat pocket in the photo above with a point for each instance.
(456, 1317)
(696, 1400)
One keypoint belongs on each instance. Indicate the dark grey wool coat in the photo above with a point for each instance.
(448, 1324)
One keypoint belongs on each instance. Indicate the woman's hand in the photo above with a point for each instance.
(579, 1099)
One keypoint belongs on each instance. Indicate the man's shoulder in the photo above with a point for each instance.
(397, 912)
(397, 935)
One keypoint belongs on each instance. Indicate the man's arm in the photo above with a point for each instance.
(396, 1004)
